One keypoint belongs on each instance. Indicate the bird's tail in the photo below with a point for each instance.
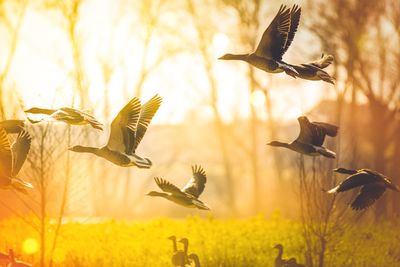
(200, 205)
(326, 152)
(323, 62)
(21, 185)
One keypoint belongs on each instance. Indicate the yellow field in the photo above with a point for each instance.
(236, 242)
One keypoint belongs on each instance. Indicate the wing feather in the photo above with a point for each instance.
(147, 113)
(197, 183)
(6, 158)
(20, 150)
(125, 121)
(166, 186)
(368, 195)
(275, 37)
(295, 14)
(359, 179)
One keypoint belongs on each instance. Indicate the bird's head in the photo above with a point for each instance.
(172, 237)
(277, 143)
(278, 246)
(154, 194)
(184, 241)
(33, 110)
(303, 119)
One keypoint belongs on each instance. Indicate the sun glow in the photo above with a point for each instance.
(257, 98)
(30, 246)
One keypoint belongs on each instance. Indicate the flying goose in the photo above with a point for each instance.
(178, 258)
(311, 138)
(127, 130)
(187, 196)
(68, 115)
(373, 184)
(12, 159)
(275, 42)
(12, 126)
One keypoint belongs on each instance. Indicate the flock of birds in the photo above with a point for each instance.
(180, 257)
(130, 125)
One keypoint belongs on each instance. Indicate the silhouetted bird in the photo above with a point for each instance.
(12, 126)
(292, 262)
(185, 243)
(194, 259)
(189, 195)
(127, 130)
(16, 263)
(12, 159)
(279, 262)
(68, 115)
(311, 138)
(373, 184)
(275, 42)
(178, 258)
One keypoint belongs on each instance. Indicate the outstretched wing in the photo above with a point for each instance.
(5, 155)
(274, 39)
(86, 117)
(359, 179)
(295, 14)
(368, 195)
(166, 186)
(314, 133)
(196, 184)
(20, 150)
(124, 122)
(147, 113)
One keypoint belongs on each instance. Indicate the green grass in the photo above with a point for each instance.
(235, 242)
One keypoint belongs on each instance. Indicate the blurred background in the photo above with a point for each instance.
(96, 55)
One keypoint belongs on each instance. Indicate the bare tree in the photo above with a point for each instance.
(9, 9)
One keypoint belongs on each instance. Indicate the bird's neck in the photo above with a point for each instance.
(281, 144)
(280, 253)
(185, 247)
(174, 245)
(89, 149)
(237, 57)
(346, 171)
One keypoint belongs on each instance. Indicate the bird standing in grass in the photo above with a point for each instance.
(127, 130)
(68, 115)
(311, 138)
(280, 262)
(11, 160)
(187, 196)
(373, 184)
(194, 260)
(275, 42)
(179, 257)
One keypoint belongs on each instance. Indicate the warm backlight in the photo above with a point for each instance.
(30, 246)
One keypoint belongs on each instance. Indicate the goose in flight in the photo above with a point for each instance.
(373, 184)
(68, 115)
(311, 138)
(275, 42)
(12, 126)
(127, 130)
(11, 160)
(187, 196)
